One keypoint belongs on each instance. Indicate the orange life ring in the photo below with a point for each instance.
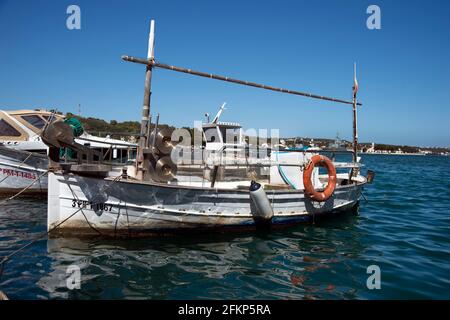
(321, 161)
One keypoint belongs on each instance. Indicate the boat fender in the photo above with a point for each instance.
(321, 161)
(263, 210)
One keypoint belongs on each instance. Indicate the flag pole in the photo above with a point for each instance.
(355, 116)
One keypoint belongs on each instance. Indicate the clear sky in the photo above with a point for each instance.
(403, 68)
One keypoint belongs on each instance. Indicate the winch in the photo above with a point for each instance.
(61, 135)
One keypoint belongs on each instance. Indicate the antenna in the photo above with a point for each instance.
(219, 113)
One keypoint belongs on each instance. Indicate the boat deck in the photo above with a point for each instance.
(199, 182)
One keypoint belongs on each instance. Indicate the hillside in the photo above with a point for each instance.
(100, 127)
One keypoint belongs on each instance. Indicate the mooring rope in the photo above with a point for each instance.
(364, 197)
(24, 189)
(9, 256)
(18, 166)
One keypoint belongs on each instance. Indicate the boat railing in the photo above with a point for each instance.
(235, 157)
(219, 165)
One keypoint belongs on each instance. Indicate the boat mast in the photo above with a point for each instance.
(142, 163)
(141, 167)
(355, 117)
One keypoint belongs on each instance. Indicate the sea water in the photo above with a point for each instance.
(402, 230)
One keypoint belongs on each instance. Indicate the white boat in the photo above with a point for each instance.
(153, 197)
(21, 169)
(126, 207)
(23, 154)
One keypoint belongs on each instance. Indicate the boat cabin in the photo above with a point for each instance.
(20, 129)
(219, 135)
(222, 134)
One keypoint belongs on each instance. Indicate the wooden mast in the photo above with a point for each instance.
(355, 117)
(142, 165)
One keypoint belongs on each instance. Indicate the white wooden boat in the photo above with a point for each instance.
(127, 207)
(152, 196)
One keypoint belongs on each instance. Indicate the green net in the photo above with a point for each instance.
(77, 129)
(76, 125)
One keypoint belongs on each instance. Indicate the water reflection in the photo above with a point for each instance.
(301, 262)
(403, 228)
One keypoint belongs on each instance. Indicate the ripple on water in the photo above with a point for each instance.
(403, 228)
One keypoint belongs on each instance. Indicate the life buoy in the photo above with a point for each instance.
(321, 161)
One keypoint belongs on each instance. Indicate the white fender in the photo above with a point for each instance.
(264, 210)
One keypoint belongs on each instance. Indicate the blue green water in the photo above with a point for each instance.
(403, 227)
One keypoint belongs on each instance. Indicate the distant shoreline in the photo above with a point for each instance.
(402, 154)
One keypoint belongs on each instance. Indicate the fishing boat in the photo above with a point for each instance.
(23, 154)
(152, 196)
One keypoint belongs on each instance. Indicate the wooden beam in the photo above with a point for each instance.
(227, 79)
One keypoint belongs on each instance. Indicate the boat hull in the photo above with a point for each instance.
(19, 169)
(94, 206)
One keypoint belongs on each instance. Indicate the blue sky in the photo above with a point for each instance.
(403, 69)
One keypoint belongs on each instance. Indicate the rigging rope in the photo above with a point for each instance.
(9, 256)
(24, 189)
(18, 166)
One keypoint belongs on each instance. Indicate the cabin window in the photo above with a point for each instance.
(35, 121)
(211, 135)
(230, 135)
(7, 130)
(49, 118)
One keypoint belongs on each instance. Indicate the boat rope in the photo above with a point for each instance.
(364, 197)
(18, 167)
(6, 258)
(78, 200)
(9, 256)
(85, 218)
(24, 189)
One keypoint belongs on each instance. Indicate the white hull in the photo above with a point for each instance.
(94, 206)
(18, 170)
